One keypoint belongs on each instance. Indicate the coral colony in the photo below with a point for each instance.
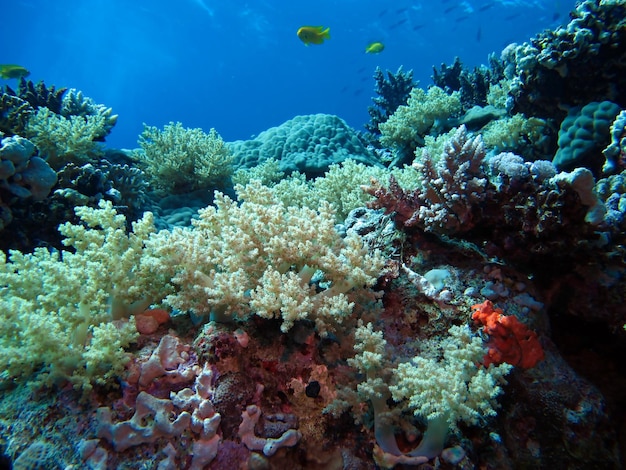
(446, 290)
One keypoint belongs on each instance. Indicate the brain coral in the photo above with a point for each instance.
(309, 144)
(583, 135)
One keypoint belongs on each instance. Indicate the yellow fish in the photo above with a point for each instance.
(313, 34)
(374, 48)
(8, 71)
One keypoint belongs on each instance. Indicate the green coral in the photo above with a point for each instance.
(62, 140)
(513, 133)
(446, 384)
(178, 159)
(426, 112)
(268, 173)
(59, 308)
(583, 135)
(74, 103)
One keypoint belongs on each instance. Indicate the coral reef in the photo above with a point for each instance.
(22, 175)
(425, 112)
(308, 144)
(582, 136)
(572, 65)
(473, 317)
(392, 91)
(178, 159)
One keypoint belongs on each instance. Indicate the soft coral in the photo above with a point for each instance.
(510, 340)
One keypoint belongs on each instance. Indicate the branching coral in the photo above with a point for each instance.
(452, 189)
(473, 86)
(61, 140)
(449, 386)
(179, 159)
(58, 307)
(40, 96)
(393, 91)
(76, 104)
(14, 114)
(425, 112)
(258, 257)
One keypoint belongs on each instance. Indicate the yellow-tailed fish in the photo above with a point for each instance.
(313, 34)
(8, 71)
(374, 48)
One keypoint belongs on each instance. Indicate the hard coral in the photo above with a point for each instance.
(393, 91)
(510, 340)
(452, 191)
(41, 96)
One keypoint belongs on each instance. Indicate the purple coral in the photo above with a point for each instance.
(453, 188)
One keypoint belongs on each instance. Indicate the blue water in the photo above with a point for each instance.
(239, 66)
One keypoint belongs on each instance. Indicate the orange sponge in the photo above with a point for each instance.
(510, 340)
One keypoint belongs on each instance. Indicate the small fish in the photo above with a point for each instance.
(8, 71)
(485, 7)
(313, 34)
(374, 48)
(479, 34)
(449, 9)
(398, 23)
